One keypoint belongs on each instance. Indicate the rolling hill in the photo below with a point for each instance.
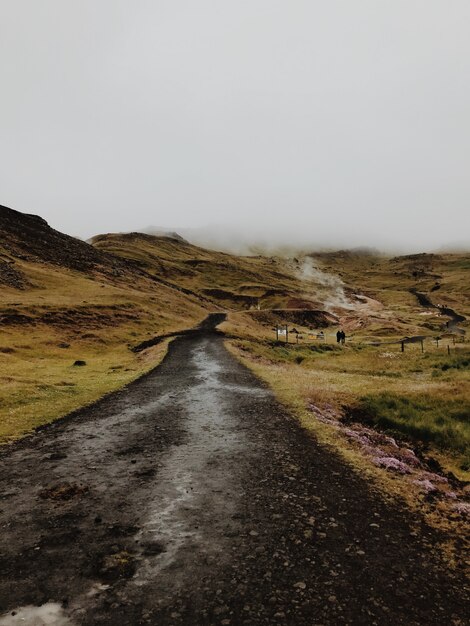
(73, 312)
(64, 301)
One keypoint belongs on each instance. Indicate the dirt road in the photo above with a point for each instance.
(191, 497)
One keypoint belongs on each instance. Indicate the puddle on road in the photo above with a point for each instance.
(50, 614)
(197, 492)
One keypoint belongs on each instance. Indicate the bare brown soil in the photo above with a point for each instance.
(302, 317)
(192, 497)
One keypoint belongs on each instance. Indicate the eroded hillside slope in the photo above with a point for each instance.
(72, 310)
(398, 284)
(234, 282)
(63, 301)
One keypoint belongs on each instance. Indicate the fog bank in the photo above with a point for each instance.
(291, 240)
(331, 123)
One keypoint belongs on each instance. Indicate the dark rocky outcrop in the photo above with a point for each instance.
(30, 238)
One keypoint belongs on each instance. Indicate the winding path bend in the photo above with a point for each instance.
(455, 318)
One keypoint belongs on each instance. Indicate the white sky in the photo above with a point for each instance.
(331, 121)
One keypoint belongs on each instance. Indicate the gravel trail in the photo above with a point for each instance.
(192, 497)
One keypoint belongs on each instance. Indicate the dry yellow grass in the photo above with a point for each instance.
(444, 277)
(175, 285)
(424, 397)
(233, 282)
(347, 379)
(64, 316)
(39, 382)
(298, 388)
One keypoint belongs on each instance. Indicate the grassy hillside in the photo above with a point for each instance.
(63, 300)
(421, 396)
(394, 282)
(233, 282)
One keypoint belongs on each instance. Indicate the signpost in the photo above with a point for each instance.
(282, 331)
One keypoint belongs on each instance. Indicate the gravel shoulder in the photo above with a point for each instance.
(192, 497)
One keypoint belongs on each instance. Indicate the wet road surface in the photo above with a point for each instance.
(192, 497)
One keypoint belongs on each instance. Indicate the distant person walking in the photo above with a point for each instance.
(338, 336)
(343, 337)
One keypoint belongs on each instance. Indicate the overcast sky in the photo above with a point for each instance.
(334, 121)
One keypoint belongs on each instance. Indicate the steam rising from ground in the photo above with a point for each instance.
(50, 614)
(334, 295)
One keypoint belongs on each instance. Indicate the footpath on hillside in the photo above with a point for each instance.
(192, 497)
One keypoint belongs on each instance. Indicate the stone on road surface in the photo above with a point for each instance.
(192, 497)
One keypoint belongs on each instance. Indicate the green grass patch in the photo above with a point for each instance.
(441, 423)
(459, 362)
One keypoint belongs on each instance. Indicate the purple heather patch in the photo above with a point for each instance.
(407, 456)
(462, 507)
(386, 453)
(435, 477)
(393, 464)
(425, 485)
